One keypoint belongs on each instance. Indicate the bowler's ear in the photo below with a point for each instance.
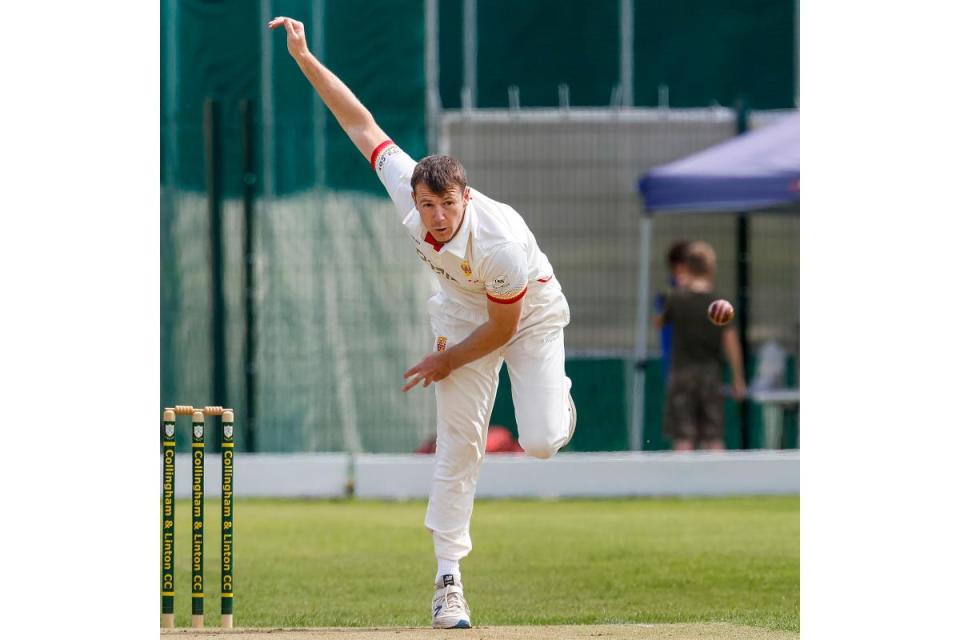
(466, 194)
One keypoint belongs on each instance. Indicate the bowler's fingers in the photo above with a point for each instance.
(411, 384)
(414, 380)
(292, 26)
(418, 376)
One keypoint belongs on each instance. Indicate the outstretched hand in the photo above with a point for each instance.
(296, 37)
(433, 368)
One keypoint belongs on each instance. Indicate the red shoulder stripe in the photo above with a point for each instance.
(507, 300)
(376, 152)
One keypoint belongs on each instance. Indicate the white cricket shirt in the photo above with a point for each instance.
(493, 255)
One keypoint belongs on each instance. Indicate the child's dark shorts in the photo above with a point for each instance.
(694, 403)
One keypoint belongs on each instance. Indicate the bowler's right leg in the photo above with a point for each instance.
(464, 403)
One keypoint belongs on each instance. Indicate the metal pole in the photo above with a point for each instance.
(626, 53)
(743, 285)
(218, 343)
(249, 277)
(640, 341)
(796, 53)
(431, 55)
(469, 54)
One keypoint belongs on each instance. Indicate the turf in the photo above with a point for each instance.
(359, 563)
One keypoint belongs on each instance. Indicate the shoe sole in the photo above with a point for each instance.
(462, 624)
(573, 420)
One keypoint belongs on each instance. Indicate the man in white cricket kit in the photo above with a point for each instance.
(498, 301)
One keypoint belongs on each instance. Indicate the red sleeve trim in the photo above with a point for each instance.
(507, 300)
(376, 152)
(545, 280)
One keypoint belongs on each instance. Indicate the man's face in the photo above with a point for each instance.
(441, 213)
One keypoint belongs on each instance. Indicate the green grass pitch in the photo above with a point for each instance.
(305, 563)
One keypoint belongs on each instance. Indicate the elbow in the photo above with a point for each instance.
(507, 334)
(361, 124)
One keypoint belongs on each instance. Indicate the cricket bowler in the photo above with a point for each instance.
(499, 301)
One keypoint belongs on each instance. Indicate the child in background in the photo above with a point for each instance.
(676, 256)
(694, 408)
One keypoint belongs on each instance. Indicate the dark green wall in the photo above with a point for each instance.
(539, 44)
(601, 388)
(450, 46)
(706, 51)
(715, 51)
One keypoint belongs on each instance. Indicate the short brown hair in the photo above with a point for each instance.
(701, 259)
(439, 173)
(677, 253)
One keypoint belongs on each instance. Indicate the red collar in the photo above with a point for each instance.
(436, 243)
(433, 241)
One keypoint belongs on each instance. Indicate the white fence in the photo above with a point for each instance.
(402, 477)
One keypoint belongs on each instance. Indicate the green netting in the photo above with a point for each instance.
(342, 318)
(339, 299)
(341, 315)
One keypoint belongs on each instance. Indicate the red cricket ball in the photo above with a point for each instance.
(720, 312)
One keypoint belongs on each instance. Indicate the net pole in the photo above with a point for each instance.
(249, 277)
(743, 286)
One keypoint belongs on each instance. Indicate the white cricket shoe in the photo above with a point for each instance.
(450, 610)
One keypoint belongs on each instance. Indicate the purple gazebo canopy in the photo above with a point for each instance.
(756, 170)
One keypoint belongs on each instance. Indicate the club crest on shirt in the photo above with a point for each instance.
(465, 267)
(441, 343)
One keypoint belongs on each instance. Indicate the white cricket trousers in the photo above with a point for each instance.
(535, 363)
